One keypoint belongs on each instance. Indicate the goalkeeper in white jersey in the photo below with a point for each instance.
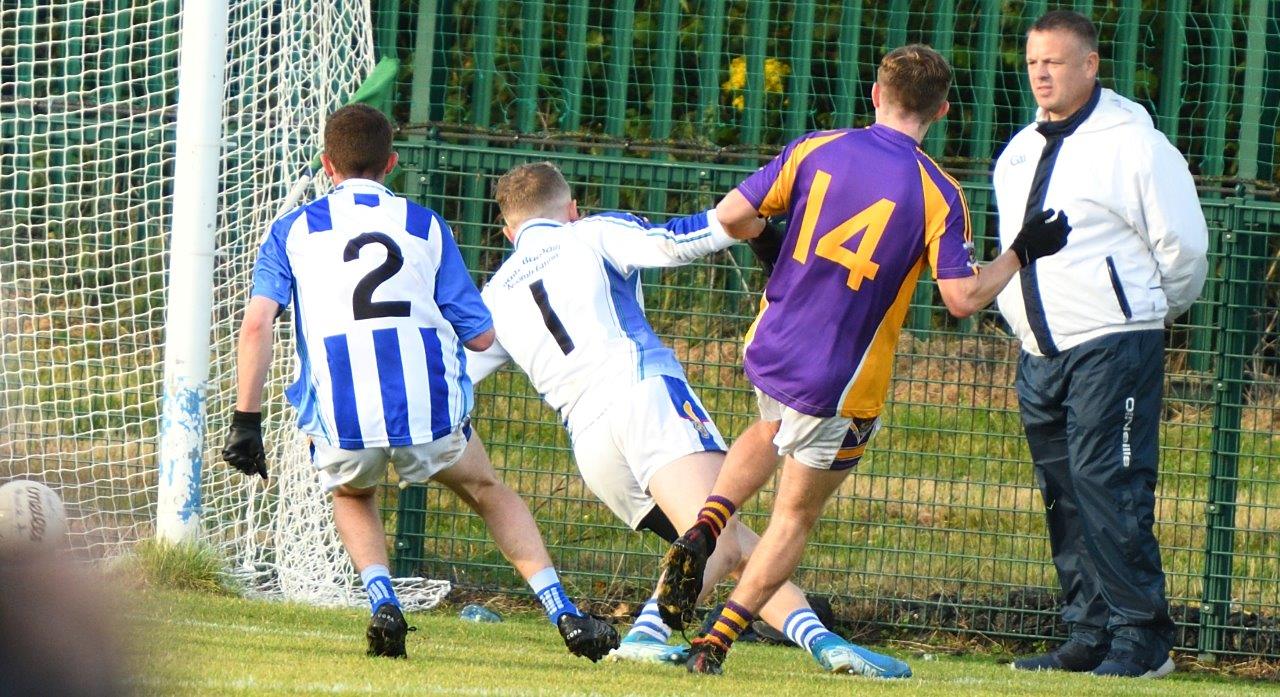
(382, 308)
(567, 309)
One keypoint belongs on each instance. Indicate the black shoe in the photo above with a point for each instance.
(705, 656)
(681, 580)
(1121, 662)
(1072, 656)
(386, 633)
(587, 636)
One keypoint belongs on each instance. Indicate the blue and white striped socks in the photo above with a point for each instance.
(377, 583)
(649, 625)
(546, 585)
(807, 631)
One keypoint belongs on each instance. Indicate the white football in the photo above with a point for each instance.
(31, 518)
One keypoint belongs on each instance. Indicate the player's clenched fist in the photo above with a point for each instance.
(244, 450)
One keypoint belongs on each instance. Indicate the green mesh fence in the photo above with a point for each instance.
(660, 107)
(749, 76)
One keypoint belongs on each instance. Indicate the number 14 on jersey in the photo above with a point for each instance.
(873, 219)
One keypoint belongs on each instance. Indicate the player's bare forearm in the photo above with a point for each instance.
(966, 296)
(253, 353)
(738, 217)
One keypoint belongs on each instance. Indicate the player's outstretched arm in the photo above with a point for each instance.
(1044, 234)
(969, 295)
(630, 243)
(740, 219)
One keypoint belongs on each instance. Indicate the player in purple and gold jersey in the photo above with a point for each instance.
(867, 211)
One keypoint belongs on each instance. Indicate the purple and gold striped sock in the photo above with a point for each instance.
(715, 514)
(732, 622)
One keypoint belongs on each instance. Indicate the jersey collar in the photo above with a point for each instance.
(893, 134)
(534, 223)
(358, 183)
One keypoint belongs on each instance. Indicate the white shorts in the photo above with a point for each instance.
(367, 467)
(820, 442)
(657, 422)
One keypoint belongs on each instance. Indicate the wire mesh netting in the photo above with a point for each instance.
(88, 95)
(941, 526)
(660, 107)
(84, 137)
(751, 75)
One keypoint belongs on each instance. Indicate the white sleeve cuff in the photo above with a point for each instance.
(719, 238)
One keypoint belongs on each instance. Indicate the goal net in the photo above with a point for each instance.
(88, 98)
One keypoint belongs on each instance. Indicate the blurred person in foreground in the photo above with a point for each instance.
(60, 631)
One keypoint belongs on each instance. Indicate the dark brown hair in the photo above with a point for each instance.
(1071, 22)
(916, 78)
(357, 139)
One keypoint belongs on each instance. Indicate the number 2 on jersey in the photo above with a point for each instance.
(873, 219)
(362, 304)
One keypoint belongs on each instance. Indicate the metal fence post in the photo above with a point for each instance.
(411, 527)
(1240, 294)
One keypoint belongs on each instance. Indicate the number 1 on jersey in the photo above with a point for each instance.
(873, 219)
(550, 318)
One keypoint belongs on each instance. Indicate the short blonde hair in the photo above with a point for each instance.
(531, 190)
(916, 78)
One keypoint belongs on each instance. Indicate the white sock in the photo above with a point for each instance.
(649, 624)
(804, 629)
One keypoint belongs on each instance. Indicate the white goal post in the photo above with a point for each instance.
(94, 171)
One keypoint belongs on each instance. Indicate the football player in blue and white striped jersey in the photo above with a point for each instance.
(383, 308)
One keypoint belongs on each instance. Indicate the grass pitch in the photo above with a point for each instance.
(201, 644)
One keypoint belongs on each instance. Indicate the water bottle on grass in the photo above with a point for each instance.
(479, 613)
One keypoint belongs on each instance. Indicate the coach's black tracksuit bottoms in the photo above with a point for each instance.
(1092, 416)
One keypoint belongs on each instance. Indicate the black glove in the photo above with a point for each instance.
(768, 245)
(1040, 236)
(244, 450)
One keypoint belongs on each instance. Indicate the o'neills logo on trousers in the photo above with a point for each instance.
(1126, 450)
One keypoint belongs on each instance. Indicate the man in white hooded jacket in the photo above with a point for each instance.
(1091, 322)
